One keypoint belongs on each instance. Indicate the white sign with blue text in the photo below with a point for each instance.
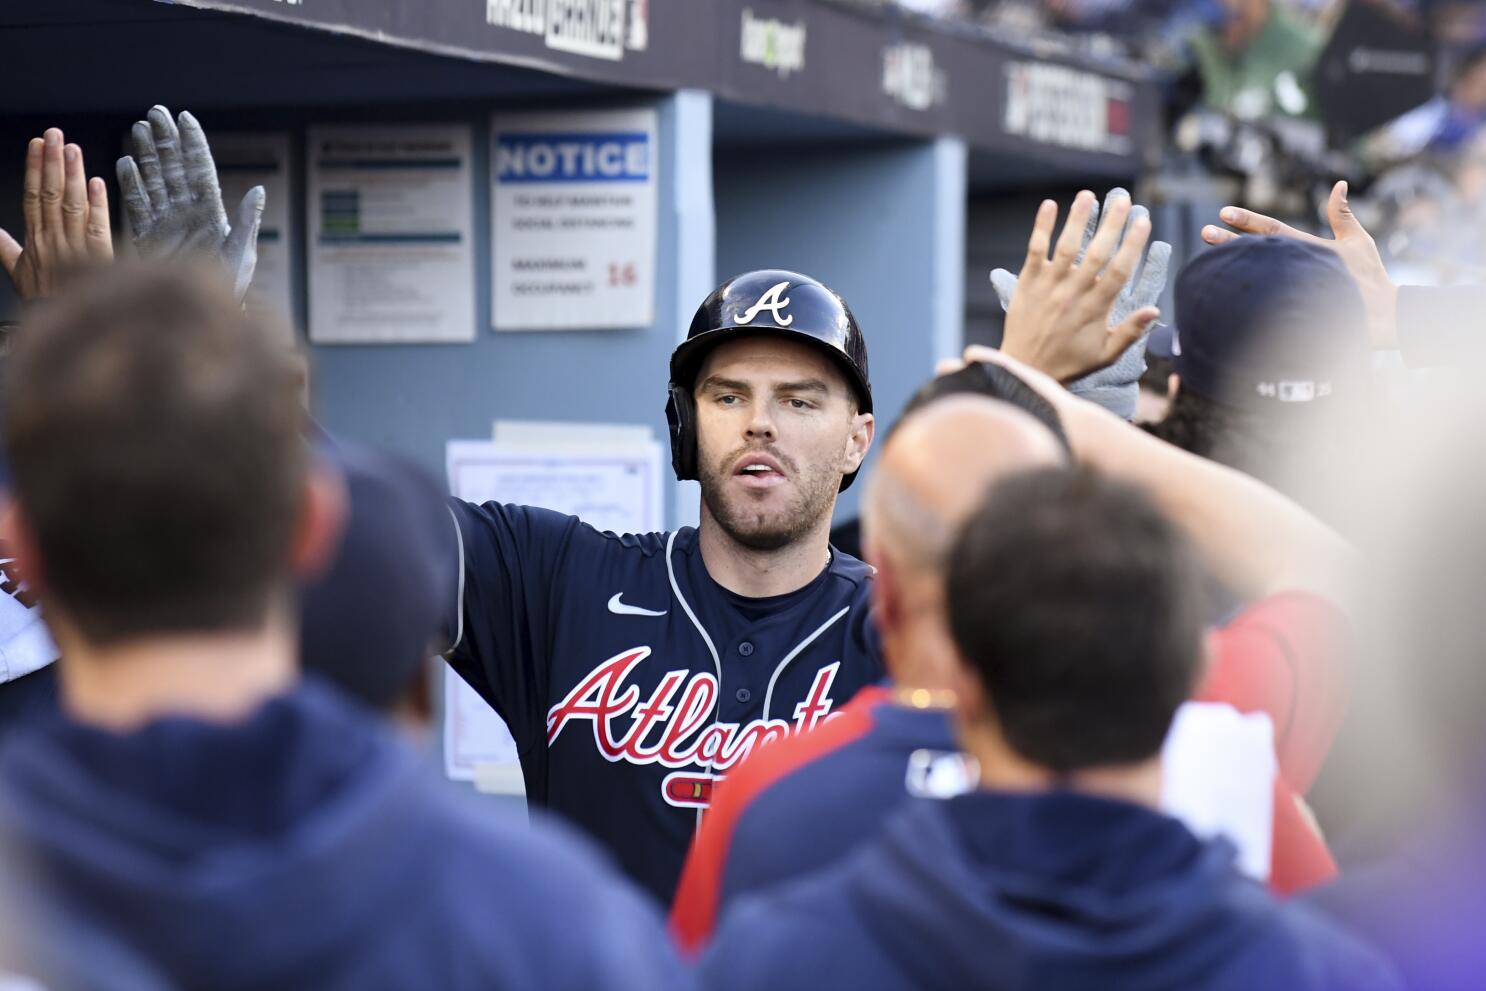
(573, 220)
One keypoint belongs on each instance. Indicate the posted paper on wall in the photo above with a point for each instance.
(610, 486)
(391, 248)
(573, 220)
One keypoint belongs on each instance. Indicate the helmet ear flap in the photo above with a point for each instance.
(681, 417)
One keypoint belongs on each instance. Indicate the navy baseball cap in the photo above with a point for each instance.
(367, 625)
(1267, 323)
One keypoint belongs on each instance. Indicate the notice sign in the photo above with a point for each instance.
(390, 254)
(573, 217)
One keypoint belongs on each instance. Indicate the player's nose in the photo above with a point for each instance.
(761, 425)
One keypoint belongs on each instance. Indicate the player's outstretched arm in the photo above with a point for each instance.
(1251, 537)
(174, 201)
(1115, 387)
(1353, 244)
(66, 219)
(1058, 319)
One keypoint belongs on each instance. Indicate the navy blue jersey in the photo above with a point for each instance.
(631, 681)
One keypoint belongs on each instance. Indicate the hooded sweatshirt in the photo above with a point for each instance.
(303, 847)
(1011, 891)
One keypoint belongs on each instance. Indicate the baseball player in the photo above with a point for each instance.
(634, 671)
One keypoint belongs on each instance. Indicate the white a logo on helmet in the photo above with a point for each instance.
(771, 301)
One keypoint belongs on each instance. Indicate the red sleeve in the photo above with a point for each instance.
(1299, 858)
(694, 912)
(1286, 656)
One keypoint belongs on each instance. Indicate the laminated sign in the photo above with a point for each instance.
(573, 216)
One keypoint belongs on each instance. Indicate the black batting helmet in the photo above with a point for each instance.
(767, 302)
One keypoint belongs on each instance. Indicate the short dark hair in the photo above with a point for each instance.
(155, 438)
(1078, 606)
(984, 378)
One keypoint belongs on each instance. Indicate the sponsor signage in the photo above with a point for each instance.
(872, 65)
(1058, 105)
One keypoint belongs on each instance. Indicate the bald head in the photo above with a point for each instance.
(935, 470)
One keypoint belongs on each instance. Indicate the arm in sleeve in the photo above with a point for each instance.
(502, 614)
(1441, 325)
(1286, 656)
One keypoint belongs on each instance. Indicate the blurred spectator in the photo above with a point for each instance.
(1079, 634)
(1255, 59)
(1448, 122)
(193, 816)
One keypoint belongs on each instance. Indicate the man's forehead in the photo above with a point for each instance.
(774, 358)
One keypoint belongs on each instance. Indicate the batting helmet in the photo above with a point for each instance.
(767, 302)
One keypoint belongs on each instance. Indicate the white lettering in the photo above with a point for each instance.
(772, 44)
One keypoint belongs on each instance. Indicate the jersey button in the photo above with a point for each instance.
(743, 695)
(745, 648)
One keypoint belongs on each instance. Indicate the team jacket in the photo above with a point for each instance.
(810, 801)
(631, 681)
(302, 847)
(1006, 892)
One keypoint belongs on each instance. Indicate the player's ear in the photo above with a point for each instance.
(858, 442)
(323, 509)
(887, 607)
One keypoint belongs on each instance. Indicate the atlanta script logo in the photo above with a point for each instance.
(674, 727)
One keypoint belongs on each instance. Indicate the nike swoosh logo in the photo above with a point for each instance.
(620, 609)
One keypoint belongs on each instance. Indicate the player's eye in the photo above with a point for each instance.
(727, 399)
(799, 404)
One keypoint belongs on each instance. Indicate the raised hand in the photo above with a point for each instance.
(174, 202)
(1059, 318)
(66, 217)
(1353, 243)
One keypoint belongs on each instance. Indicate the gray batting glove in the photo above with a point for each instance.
(1116, 387)
(175, 205)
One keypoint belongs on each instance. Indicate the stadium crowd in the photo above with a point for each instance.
(1190, 704)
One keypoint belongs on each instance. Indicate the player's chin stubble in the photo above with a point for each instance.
(768, 530)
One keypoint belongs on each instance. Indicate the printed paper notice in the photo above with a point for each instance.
(609, 487)
(573, 219)
(391, 240)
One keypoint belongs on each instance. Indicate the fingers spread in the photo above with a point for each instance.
(31, 189)
(147, 158)
(201, 169)
(136, 200)
(1071, 239)
(1005, 285)
(1153, 274)
(100, 242)
(1042, 237)
(1091, 226)
(241, 249)
(52, 181)
(1257, 223)
(1106, 241)
(74, 199)
(1216, 235)
(1344, 223)
(10, 251)
(1112, 197)
(168, 147)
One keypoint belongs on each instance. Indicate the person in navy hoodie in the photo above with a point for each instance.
(193, 815)
(1080, 633)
